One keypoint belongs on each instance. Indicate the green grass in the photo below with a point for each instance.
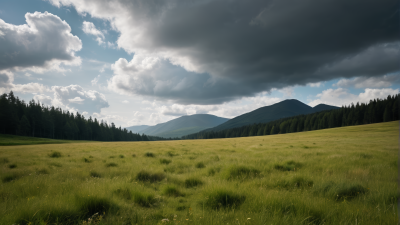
(333, 176)
(165, 161)
(7, 140)
(55, 154)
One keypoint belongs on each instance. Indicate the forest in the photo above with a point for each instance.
(35, 120)
(376, 111)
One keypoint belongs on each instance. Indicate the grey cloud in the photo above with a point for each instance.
(5, 81)
(43, 43)
(369, 82)
(74, 96)
(246, 47)
(165, 81)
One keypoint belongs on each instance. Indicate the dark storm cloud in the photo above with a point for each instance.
(291, 38)
(245, 47)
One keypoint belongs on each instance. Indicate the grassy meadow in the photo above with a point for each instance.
(7, 139)
(335, 176)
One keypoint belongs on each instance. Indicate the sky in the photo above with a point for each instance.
(144, 62)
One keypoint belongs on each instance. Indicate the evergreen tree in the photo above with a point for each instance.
(387, 114)
(25, 127)
(273, 130)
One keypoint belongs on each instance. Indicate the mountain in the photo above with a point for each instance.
(137, 129)
(286, 108)
(180, 132)
(323, 107)
(184, 125)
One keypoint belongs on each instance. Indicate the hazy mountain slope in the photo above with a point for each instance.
(286, 108)
(180, 132)
(137, 129)
(203, 121)
(323, 107)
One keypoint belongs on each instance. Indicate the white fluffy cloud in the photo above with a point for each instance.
(75, 97)
(43, 99)
(30, 88)
(369, 82)
(95, 80)
(43, 43)
(137, 119)
(341, 96)
(318, 84)
(90, 28)
(6, 85)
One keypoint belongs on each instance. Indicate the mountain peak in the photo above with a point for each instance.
(283, 109)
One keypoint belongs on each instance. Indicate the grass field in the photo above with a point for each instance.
(334, 176)
(6, 140)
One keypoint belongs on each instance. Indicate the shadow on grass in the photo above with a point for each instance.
(220, 198)
(85, 207)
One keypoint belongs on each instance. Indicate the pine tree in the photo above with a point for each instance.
(395, 109)
(25, 127)
(386, 114)
(273, 130)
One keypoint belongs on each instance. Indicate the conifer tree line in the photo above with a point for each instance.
(376, 111)
(35, 120)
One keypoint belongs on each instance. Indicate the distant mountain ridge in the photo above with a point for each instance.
(283, 109)
(184, 125)
(137, 129)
